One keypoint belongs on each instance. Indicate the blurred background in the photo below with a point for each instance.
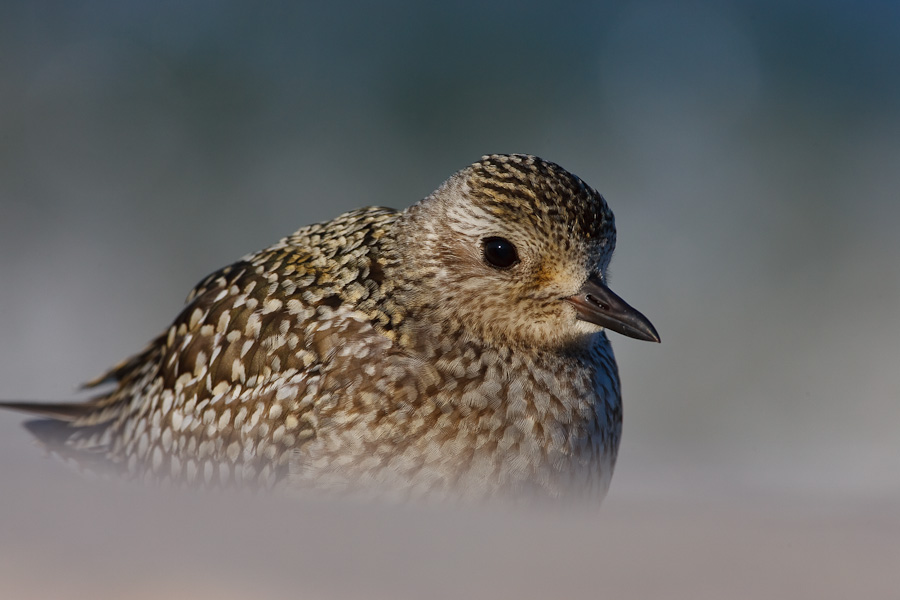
(750, 151)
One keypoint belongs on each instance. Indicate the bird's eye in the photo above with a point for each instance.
(500, 253)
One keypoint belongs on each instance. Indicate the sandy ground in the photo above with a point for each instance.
(63, 537)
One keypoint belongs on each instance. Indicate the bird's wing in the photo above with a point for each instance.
(234, 378)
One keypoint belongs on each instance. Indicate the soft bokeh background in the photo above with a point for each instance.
(750, 151)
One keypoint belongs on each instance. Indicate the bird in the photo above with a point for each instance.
(454, 349)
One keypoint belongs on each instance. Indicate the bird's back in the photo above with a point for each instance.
(226, 393)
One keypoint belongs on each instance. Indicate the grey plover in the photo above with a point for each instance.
(455, 348)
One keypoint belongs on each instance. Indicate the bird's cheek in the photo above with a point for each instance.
(570, 323)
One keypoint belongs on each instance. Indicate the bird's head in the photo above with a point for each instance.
(515, 249)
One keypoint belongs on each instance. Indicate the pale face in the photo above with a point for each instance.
(508, 278)
(513, 251)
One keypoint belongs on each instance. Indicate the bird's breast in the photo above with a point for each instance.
(470, 423)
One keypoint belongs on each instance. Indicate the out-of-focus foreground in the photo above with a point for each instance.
(750, 151)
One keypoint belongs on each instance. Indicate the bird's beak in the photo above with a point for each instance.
(597, 304)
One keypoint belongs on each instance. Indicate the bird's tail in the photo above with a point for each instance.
(82, 432)
(102, 408)
(57, 431)
(65, 412)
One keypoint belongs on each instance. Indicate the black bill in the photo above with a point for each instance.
(597, 304)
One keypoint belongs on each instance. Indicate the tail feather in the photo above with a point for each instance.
(132, 367)
(65, 412)
(83, 447)
(52, 433)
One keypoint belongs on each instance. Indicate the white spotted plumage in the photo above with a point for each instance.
(382, 351)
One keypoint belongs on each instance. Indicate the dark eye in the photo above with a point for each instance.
(500, 252)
